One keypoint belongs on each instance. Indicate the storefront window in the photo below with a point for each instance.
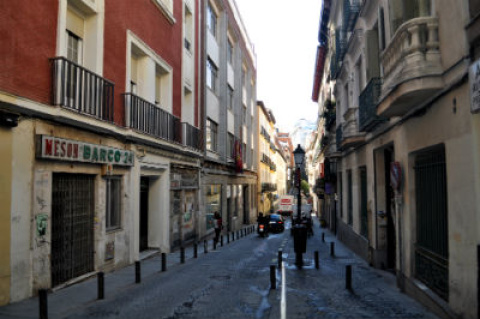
(213, 203)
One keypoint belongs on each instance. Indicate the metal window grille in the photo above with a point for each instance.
(350, 197)
(431, 253)
(72, 226)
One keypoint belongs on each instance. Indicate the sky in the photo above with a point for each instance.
(285, 37)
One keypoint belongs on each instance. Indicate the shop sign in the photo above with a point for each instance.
(50, 147)
(474, 81)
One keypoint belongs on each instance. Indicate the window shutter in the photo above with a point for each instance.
(75, 23)
(372, 55)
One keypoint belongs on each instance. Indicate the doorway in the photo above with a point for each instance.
(144, 189)
(389, 197)
(73, 205)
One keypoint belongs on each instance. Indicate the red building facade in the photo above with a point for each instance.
(100, 137)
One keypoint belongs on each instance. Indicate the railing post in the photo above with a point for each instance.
(138, 276)
(100, 285)
(182, 255)
(164, 262)
(43, 303)
(273, 279)
(348, 277)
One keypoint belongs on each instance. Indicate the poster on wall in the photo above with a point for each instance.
(474, 80)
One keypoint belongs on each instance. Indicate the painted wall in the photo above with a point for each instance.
(31, 42)
(6, 149)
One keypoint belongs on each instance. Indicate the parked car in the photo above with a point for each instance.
(277, 223)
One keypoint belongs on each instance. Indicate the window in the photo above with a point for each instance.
(230, 97)
(150, 78)
(230, 51)
(244, 153)
(404, 10)
(212, 135)
(244, 114)
(74, 48)
(230, 145)
(113, 202)
(211, 20)
(212, 72)
(75, 34)
(188, 29)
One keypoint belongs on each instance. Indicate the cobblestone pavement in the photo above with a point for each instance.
(322, 293)
(233, 281)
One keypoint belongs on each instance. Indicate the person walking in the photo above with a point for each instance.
(218, 225)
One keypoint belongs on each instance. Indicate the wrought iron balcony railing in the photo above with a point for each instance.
(339, 137)
(351, 8)
(191, 136)
(148, 118)
(368, 101)
(80, 90)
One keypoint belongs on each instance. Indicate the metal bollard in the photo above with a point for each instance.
(332, 249)
(348, 277)
(317, 261)
(221, 240)
(323, 237)
(233, 235)
(214, 244)
(228, 238)
(205, 246)
(43, 303)
(280, 259)
(138, 276)
(100, 285)
(182, 255)
(195, 250)
(164, 262)
(273, 279)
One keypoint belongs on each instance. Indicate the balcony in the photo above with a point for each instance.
(269, 187)
(412, 67)
(80, 90)
(350, 134)
(329, 119)
(368, 118)
(148, 118)
(339, 137)
(191, 136)
(351, 8)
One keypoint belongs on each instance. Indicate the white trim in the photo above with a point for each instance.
(165, 10)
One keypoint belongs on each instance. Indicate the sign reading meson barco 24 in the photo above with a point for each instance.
(70, 150)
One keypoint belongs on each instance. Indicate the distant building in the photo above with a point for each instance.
(300, 132)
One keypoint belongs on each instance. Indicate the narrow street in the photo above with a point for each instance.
(233, 281)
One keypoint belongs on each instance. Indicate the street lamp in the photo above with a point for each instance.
(299, 230)
(298, 156)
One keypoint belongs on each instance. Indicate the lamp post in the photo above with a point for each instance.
(299, 230)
